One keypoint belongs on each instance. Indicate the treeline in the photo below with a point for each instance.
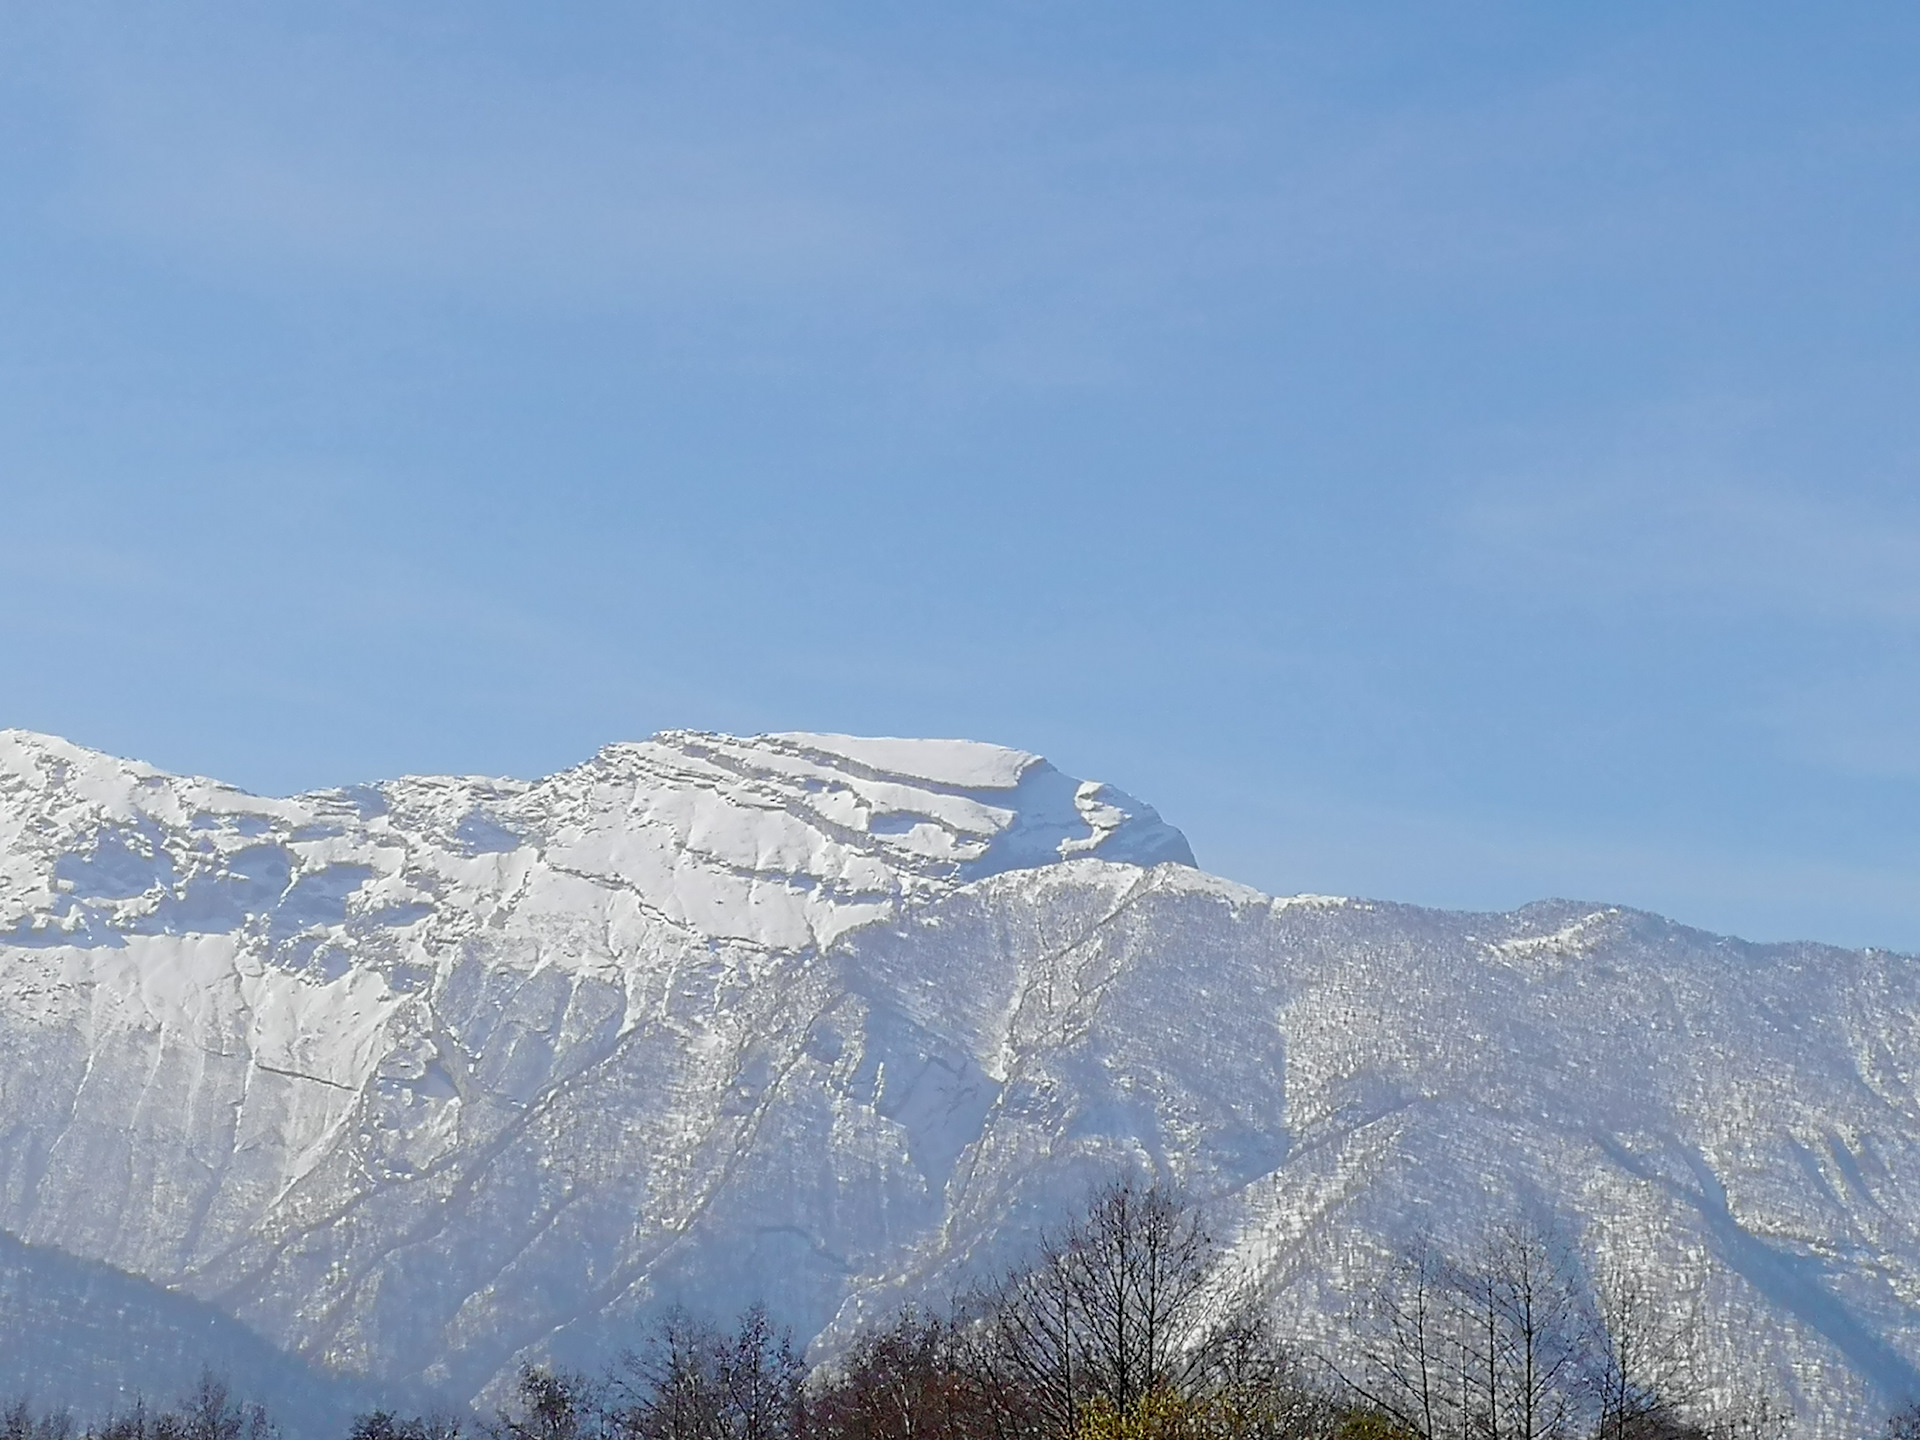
(1518, 1339)
(1124, 1326)
(1113, 1330)
(206, 1412)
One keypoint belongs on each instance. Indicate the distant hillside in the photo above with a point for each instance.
(89, 1336)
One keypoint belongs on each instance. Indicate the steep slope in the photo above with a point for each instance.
(426, 1079)
(348, 1065)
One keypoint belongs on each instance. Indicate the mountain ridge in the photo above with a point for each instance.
(426, 1079)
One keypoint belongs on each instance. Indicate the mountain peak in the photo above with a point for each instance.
(429, 1079)
(783, 840)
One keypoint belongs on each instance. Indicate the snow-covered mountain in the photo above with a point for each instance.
(426, 1079)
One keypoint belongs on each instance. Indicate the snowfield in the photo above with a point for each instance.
(424, 1080)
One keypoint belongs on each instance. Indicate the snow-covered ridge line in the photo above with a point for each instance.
(786, 840)
(262, 1014)
(427, 1079)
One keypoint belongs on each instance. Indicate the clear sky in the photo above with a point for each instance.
(1451, 453)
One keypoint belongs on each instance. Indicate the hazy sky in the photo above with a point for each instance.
(1453, 453)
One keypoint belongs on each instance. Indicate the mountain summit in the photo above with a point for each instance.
(425, 1080)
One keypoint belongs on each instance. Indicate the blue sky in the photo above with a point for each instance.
(1458, 454)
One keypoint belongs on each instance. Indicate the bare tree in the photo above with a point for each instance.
(672, 1383)
(19, 1422)
(760, 1377)
(1408, 1361)
(386, 1425)
(1483, 1352)
(207, 1412)
(1761, 1417)
(1642, 1375)
(916, 1379)
(1139, 1267)
(1030, 1342)
(1491, 1348)
(1251, 1387)
(690, 1381)
(1113, 1309)
(141, 1424)
(553, 1405)
(1540, 1319)
(210, 1412)
(1116, 1320)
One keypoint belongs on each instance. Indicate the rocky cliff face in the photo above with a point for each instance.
(426, 1079)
